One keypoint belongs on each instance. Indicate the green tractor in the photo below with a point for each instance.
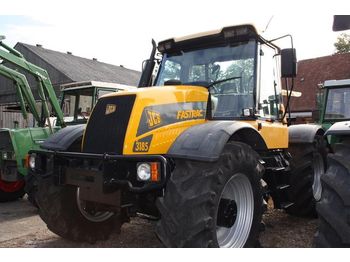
(15, 143)
(333, 208)
(333, 189)
(77, 102)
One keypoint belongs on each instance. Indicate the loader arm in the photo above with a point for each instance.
(25, 97)
(45, 88)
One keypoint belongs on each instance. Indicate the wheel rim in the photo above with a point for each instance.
(11, 187)
(239, 197)
(96, 217)
(318, 167)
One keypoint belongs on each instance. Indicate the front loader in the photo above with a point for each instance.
(11, 184)
(200, 147)
(77, 102)
(16, 142)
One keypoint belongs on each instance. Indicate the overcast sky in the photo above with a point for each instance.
(120, 32)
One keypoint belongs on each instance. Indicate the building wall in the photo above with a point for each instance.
(7, 119)
(312, 72)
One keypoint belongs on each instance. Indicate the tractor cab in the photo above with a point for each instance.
(240, 69)
(78, 99)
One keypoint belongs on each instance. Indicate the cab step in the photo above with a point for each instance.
(286, 205)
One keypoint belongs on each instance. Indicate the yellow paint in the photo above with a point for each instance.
(163, 137)
(275, 134)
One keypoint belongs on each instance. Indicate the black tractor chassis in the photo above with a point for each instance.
(100, 177)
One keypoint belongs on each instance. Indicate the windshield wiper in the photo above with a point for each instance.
(223, 80)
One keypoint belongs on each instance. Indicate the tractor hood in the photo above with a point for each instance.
(145, 121)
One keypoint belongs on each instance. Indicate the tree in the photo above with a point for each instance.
(343, 44)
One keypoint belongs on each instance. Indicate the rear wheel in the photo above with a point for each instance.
(334, 207)
(213, 204)
(11, 191)
(308, 164)
(69, 217)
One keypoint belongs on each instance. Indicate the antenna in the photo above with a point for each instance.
(268, 23)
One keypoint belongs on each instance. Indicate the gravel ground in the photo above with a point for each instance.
(20, 226)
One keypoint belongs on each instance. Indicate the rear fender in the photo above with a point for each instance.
(304, 133)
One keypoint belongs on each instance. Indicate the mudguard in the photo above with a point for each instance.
(339, 129)
(304, 133)
(64, 138)
(205, 142)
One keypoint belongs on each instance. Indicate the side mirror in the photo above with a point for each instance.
(341, 22)
(144, 64)
(288, 62)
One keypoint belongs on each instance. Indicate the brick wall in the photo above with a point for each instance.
(312, 72)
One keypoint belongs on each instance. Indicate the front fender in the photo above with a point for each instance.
(339, 129)
(205, 142)
(64, 138)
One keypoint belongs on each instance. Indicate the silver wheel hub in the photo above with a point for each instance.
(235, 212)
(96, 217)
(318, 167)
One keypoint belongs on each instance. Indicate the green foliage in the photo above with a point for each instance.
(343, 44)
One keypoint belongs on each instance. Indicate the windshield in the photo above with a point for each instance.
(77, 104)
(228, 71)
(338, 104)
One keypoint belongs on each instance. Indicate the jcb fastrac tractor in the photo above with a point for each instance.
(199, 146)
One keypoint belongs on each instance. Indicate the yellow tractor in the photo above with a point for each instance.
(199, 146)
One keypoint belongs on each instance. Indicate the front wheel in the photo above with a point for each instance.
(213, 204)
(66, 215)
(11, 191)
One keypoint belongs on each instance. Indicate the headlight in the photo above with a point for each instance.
(148, 171)
(31, 161)
(4, 155)
(144, 171)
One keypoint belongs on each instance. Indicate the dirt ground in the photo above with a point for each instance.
(20, 226)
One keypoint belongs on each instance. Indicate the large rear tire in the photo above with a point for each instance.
(11, 191)
(307, 165)
(213, 204)
(334, 207)
(64, 215)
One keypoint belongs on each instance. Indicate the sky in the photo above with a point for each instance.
(120, 32)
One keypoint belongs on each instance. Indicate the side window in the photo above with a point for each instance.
(69, 105)
(85, 103)
(172, 71)
(103, 92)
(269, 80)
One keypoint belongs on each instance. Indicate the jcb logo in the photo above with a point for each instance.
(110, 108)
(153, 118)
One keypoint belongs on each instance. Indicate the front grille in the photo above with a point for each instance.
(106, 129)
(5, 141)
